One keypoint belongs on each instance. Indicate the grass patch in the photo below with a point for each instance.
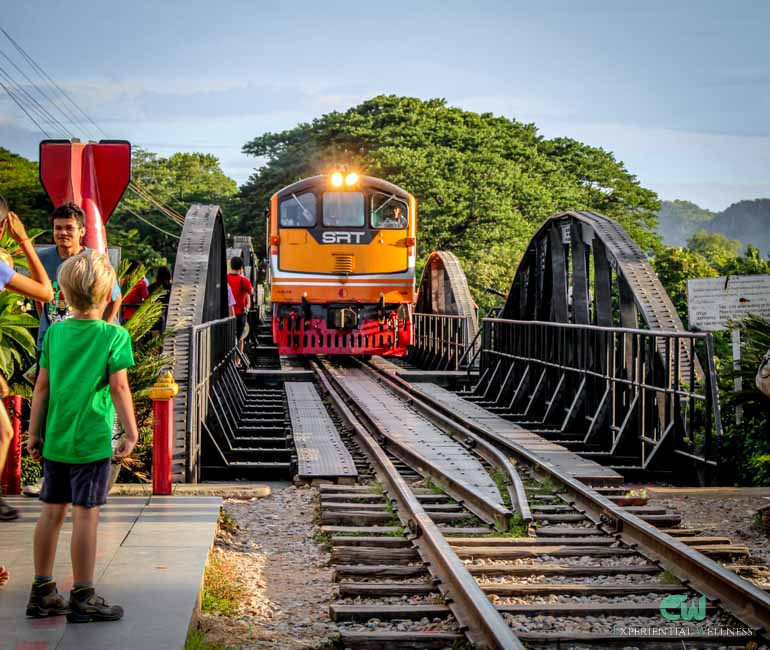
(391, 510)
(324, 540)
(502, 483)
(517, 528)
(222, 591)
(665, 577)
(549, 485)
(226, 523)
(431, 485)
(197, 640)
(399, 532)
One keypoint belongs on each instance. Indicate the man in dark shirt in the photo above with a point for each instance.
(68, 224)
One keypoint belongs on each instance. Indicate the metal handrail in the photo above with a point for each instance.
(636, 384)
(205, 360)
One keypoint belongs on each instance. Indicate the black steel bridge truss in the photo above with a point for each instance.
(588, 350)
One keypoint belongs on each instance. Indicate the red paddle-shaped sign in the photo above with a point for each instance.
(92, 175)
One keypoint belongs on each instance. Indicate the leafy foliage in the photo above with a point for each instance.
(484, 183)
(715, 247)
(20, 185)
(675, 266)
(17, 317)
(747, 445)
(177, 181)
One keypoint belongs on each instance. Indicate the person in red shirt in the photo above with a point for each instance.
(242, 290)
(136, 295)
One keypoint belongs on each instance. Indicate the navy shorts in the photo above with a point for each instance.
(81, 485)
(240, 324)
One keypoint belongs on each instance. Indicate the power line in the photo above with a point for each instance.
(145, 194)
(45, 75)
(135, 187)
(149, 223)
(21, 106)
(33, 104)
(68, 116)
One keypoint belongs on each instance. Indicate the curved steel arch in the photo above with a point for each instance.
(444, 290)
(198, 295)
(582, 267)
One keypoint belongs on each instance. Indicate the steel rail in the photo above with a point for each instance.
(747, 602)
(491, 513)
(478, 617)
(463, 435)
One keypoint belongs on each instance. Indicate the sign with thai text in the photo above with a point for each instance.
(713, 302)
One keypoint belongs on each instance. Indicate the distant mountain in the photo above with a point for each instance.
(746, 221)
(680, 220)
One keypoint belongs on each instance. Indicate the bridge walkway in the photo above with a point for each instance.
(552, 454)
(151, 556)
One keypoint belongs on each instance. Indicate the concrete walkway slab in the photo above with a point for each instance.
(151, 557)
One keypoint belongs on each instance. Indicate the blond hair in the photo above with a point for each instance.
(86, 280)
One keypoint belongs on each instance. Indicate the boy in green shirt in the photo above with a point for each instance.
(82, 380)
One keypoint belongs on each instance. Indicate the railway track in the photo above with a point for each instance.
(550, 562)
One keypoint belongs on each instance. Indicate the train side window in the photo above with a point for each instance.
(298, 211)
(388, 212)
(344, 209)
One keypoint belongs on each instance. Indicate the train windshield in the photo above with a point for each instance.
(344, 209)
(298, 211)
(388, 212)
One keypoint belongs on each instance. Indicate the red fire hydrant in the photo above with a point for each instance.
(162, 396)
(11, 478)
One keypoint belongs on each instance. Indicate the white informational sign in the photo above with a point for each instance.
(713, 302)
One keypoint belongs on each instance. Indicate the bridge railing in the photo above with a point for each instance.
(212, 351)
(635, 395)
(442, 342)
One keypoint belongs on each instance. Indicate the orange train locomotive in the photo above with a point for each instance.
(342, 252)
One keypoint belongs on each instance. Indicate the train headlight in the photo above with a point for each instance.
(351, 178)
(337, 179)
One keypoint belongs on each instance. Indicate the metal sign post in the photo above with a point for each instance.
(714, 303)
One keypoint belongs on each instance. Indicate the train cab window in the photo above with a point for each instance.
(298, 211)
(344, 209)
(388, 212)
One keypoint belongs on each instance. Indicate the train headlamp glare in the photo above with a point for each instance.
(336, 179)
(351, 179)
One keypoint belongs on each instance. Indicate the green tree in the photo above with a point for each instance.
(177, 181)
(715, 247)
(749, 264)
(484, 183)
(20, 184)
(674, 267)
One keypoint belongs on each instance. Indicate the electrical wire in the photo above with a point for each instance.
(45, 75)
(36, 107)
(21, 106)
(40, 91)
(149, 223)
(33, 104)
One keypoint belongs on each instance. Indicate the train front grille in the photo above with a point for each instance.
(343, 263)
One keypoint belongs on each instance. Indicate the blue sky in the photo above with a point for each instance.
(679, 91)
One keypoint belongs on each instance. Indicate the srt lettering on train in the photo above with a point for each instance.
(334, 237)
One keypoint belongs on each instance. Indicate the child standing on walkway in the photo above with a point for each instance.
(82, 375)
